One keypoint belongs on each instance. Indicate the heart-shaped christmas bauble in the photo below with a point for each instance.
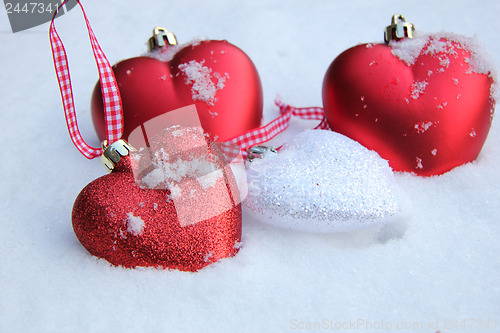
(323, 182)
(215, 75)
(163, 208)
(425, 104)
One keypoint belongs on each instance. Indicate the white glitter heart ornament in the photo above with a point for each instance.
(322, 182)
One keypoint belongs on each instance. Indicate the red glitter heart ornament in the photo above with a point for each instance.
(182, 222)
(425, 104)
(215, 75)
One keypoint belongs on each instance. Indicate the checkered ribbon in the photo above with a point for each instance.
(267, 132)
(109, 87)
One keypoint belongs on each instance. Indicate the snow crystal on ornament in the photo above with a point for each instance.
(202, 80)
(205, 84)
(409, 49)
(168, 53)
(418, 88)
(423, 126)
(135, 225)
(322, 182)
(443, 43)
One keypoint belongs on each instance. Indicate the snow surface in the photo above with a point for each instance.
(442, 265)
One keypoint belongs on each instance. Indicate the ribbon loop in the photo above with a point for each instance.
(113, 109)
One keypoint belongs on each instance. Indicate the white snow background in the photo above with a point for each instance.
(439, 266)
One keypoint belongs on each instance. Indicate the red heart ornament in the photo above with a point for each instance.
(116, 219)
(425, 104)
(215, 75)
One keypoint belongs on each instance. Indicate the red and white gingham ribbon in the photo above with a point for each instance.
(113, 107)
(267, 132)
(110, 93)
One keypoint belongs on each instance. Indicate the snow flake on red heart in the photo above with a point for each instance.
(204, 83)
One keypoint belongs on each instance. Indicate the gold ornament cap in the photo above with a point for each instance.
(114, 152)
(160, 38)
(399, 29)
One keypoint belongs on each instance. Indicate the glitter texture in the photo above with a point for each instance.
(182, 160)
(128, 225)
(322, 182)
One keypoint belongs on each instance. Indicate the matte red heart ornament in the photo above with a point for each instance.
(174, 206)
(425, 103)
(213, 74)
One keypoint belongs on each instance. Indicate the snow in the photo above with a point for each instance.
(446, 43)
(135, 224)
(200, 77)
(205, 84)
(442, 42)
(166, 54)
(409, 50)
(423, 126)
(441, 265)
(418, 88)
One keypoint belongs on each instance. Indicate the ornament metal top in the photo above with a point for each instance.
(161, 37)
(399, 29)
(113, 153)
(259, 152)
